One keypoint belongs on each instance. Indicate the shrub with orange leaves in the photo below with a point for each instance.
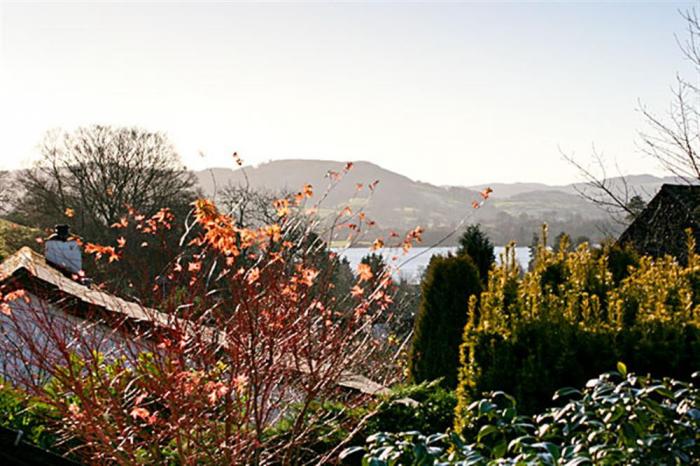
(247, 327)
(243, 327)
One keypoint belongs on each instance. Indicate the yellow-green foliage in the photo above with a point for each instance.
(568, 320)
(14, 236)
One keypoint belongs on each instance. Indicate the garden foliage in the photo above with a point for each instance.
(618, 418)
(445, 291)
(475, 244)
(246, 331)
(20, 412)
(574, 316)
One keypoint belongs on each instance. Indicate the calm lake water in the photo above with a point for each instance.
(412, 265)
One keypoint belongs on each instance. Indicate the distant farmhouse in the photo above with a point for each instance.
(661, 227)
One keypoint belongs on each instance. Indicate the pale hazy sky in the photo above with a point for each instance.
(445, 93)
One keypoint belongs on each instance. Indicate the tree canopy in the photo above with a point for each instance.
(94, 174)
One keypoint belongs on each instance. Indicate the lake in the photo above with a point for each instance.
(412, 264)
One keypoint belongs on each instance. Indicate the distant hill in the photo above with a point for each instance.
(514, 211)
(397, 202)
(645, 185)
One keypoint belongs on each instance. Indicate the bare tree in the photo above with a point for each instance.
(8, 191)
(94, 174)
(613, 195)
(671, 139)
(251, 207)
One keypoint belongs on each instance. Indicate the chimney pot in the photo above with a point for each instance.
(63, 252)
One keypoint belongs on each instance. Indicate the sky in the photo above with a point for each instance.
(447, 93)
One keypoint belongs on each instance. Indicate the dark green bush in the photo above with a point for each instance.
(620, 259)
(618, 418)
(19, 412)
(448, 283)
(475, 244)
(426, 406)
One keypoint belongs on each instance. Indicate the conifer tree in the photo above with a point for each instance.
(475, 244)
(445, 291)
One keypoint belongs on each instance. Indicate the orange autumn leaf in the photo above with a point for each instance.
(194, 266)
(416, 234)
(140, 413)
(273, 232)
(364, 271)
(282, 206)
(308, 190)
(70, 213)
(122, 223)
(121, 242)
(475, 204)
(99, 251)
(348, 166)
(356, 291)
(377, 244)
(486, 192)
(240, 382)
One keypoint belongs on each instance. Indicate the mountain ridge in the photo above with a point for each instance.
(513, 211)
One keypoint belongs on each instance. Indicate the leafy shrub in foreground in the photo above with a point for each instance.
(570, 318)
(426, 406)
(18, 412)
(618, 418)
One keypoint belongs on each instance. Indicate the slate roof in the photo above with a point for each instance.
(28, 263)
(660, 228)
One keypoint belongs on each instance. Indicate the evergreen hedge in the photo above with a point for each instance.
(448, 284)
(572, 317)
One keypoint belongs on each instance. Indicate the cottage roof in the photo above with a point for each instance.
(27, 264)
(30, 264)
(660, 228)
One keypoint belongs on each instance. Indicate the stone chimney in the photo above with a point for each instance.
(62, 251)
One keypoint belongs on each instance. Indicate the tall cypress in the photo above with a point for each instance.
(445, 291)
